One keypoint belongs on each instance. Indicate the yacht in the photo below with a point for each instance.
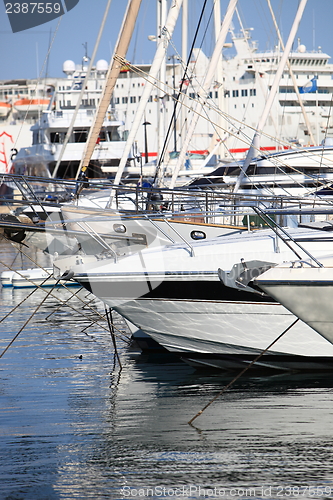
(295, 172)
(304, 288)
(51, 151)
(198, 303)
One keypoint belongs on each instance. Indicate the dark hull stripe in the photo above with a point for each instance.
(172, 290)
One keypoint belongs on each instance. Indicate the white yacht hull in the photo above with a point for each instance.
(306, 291)
(189, 311)
(227, 335)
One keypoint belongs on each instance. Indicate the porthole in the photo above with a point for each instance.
(198, 235)
(119, 228)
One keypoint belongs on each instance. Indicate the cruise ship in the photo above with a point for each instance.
(228, 119)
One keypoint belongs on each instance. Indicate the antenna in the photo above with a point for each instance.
(85, 57)
(313, 30)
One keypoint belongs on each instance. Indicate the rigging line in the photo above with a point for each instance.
(66, 288)
(25, 324)
(225, 115)
(39, 76)
(242, 372)
(63, 303)
(161, 156)
(125, 337)
(141, 73)
(60, 305)
(18, 305)
(326, 132)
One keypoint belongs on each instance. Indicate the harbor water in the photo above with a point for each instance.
(76, 426)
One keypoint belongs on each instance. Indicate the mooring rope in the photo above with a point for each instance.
(242, 372)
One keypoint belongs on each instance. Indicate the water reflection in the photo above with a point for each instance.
(74, 426)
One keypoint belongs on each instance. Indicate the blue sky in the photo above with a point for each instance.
(23, 54)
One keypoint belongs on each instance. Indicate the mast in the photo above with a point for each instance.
(111, 78)
(255, 145)
(184, 58)
(205, 87)
(306, 118)
(83, 89)
(167, 32)
(219, 79)
(162, 15)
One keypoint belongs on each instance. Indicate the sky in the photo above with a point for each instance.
(23, 54)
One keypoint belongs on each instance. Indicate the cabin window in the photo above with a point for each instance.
(132, 99)
(114, 134)
(80, 135)
(244, 92)
(253, 92)
(235, 93)
(102, 135)
(57, 137)
(124, 100)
